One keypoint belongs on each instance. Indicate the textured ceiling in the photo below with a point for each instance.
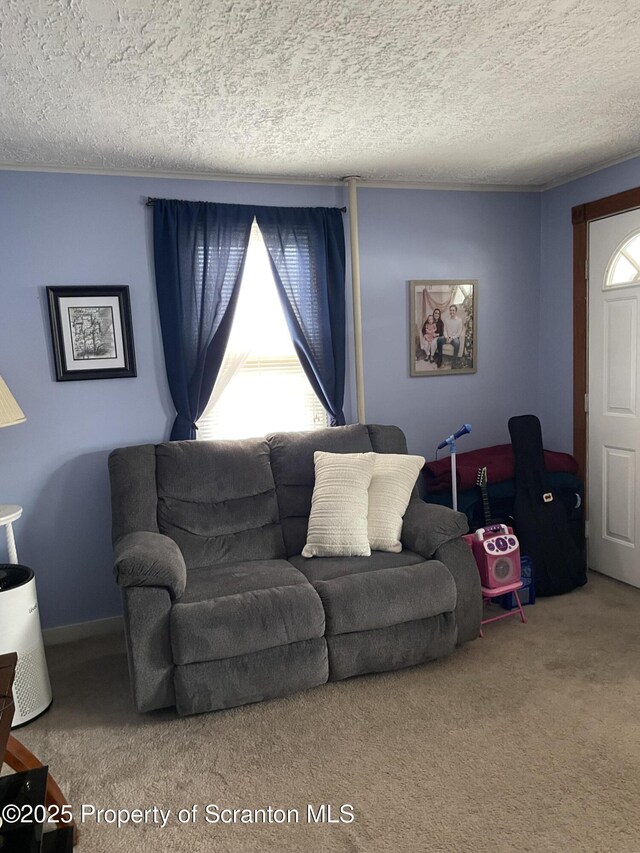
(483, 91)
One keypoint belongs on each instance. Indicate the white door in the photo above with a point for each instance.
(614, 397)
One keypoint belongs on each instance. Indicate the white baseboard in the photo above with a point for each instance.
(82, 631)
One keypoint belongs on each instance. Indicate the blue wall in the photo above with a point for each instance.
(556, 294)
(418, 234)
(80, 229)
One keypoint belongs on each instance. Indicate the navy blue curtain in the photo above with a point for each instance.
(306, 249)
(199, 254)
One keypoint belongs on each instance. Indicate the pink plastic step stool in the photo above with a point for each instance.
(489, 593)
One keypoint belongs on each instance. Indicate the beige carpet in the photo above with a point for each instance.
(528, 740)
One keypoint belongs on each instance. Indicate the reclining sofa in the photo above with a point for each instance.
(220, 608)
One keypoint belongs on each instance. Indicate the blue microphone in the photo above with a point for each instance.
(464, 429)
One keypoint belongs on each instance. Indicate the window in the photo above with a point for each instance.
(261, 387)
(624, 267)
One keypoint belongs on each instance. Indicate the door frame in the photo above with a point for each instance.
(581, 216)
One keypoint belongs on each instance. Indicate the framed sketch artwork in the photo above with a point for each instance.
(442, 327)
(92, 332)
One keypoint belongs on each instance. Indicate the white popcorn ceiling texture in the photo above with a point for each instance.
(482, 91)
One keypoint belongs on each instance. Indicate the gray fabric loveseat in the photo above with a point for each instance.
(220, 609)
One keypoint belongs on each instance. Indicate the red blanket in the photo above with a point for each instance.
(498, 461)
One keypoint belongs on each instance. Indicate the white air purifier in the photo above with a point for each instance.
(20, 632)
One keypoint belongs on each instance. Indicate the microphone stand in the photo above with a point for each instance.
(454, 477)
(451, 441)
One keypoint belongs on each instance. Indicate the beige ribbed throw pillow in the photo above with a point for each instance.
(394, 476)
(339, 506)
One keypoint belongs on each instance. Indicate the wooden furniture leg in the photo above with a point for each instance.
(19, 758)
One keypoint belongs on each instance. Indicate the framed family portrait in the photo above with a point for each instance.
(92, 333)
(442, 327)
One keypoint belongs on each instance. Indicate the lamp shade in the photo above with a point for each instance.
(10, 411)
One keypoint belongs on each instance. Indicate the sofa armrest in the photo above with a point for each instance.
(457, 557)
(434, 532)
(150, 559)
(426, 527)
(147, 626)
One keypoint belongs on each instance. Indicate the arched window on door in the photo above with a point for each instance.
(624, 267)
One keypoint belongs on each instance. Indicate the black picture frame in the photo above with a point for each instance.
(91, 332)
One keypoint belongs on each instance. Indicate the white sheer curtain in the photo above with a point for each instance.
(239, 345)
(234, 358)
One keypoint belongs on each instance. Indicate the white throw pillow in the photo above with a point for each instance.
(339, 506)
(394, 476)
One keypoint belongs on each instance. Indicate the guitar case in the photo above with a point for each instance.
(541, 521)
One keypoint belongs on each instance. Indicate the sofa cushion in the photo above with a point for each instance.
(134, 497)
(387, 439)
(213, 684)
(369, 594)
(241, 608)
(294, 475)
(325, 568)
(217, 500)
(394, 647)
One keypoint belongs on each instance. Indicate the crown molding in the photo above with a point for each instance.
(447, 187)
(584, 173)
(180, 176)
(363, 183)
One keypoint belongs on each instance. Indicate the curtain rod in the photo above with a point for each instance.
(149, 203)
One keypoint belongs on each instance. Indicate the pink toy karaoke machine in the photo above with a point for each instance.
(497, 555)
